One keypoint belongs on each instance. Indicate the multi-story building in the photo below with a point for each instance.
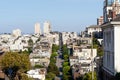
(41, 53)
(68, 35)
(47, 27)
(55, 38)
(95, 30)
(37, 74)
(37, 28)
(110, 10)
(111, 58)
(81, 60)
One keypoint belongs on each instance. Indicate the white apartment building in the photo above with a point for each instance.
(68, 35)
(83, 58)
(111, 41)
(37, 74)
(94, 29)
(47, 27)
(37, 28)
(85, 53)
(16, 32)
(55, 38)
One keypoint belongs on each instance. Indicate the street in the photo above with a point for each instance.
(59, 59)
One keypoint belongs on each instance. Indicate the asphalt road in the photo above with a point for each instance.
(59, 59)
(59, 65)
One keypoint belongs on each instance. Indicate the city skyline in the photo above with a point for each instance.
(64, 15)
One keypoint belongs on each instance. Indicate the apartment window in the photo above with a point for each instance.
(106, 38)
(112, 39)
(112, 60)
(105, 58)
(109, 59)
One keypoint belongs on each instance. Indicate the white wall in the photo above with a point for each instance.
(117, 48)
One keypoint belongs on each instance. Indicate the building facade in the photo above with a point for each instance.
(37, 28)
(111, 9)
(47, 27)
(111, 58)
(95, 30)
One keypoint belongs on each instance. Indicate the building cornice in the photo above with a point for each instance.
(110, 24)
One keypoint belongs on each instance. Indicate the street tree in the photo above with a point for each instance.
(88, 76)
(30, 42)
(66, 70)
(50, 76)
(53, 68)
(65, 64)
(55, 48)
(99, 48)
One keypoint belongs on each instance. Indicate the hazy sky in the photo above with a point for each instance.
(64, 15)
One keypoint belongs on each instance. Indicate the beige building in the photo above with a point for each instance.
(47, 27)
(37, 28)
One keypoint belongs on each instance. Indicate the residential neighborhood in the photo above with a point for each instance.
(89, 53)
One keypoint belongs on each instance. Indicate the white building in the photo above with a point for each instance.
(68, 35)
(47, 27)
(94, 29)
(111, 41)
(85, 53)
(37, 28)
(12, 42)
(54, 37)
(16, 32)
(38, 74)
(83, 58)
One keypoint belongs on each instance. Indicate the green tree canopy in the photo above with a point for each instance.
(30, 42)
(14, 63)
(88, 76)
(65, 50)
(55, 48)
(38, 66)
(50, 76)
(99, 48)
(66, 70)
(95, 41)
(66, 57)
(53, 68)
(30, 45)
(54, 54)
(53, 57)
(65, 64)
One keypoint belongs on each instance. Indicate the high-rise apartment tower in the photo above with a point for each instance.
(47, 27)
(37, 28)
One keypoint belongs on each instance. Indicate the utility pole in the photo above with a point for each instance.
(92, 56)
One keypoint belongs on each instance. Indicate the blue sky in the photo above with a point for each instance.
(64, 15)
